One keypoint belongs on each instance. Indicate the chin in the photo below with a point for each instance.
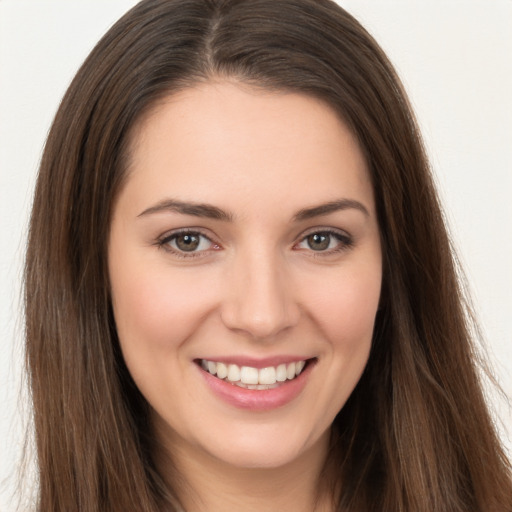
(259, 456)
(264, 447)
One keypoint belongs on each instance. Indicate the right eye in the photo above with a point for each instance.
(187, 243)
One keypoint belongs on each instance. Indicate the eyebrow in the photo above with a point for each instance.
(196, 209)
(213, 212)
(330, 207)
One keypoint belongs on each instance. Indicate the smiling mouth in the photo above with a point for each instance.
(254, 378)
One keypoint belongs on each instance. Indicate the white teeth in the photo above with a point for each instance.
(249, 375)
(233, 373)
(281, 372)
(256, 386)
(267, 375)
(254, 378)
(212, 367)
(222, 370)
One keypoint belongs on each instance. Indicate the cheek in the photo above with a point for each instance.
(156, 309)
(345, 314)
(345, 308)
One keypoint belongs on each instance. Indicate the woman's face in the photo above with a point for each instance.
(244, 249)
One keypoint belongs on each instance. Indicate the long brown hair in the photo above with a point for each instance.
(415, 435)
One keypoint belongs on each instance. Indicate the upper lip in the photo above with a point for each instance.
(256, 362)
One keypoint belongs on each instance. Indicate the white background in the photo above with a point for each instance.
(455, 58)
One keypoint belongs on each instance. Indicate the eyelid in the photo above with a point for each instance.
(345, 239)
(324, 229)
(163, 242)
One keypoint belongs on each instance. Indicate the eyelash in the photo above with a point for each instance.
(345, 242)
(163, 243)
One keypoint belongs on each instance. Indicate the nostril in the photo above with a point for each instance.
(258, 324)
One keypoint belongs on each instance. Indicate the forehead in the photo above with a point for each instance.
(232, 143)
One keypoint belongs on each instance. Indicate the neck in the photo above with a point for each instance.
(211, 485)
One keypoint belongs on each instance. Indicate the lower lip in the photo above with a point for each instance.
(254, 399)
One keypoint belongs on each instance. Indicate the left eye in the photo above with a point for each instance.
(323, 241)
(188, 242)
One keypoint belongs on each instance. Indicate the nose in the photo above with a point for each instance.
(259, 299)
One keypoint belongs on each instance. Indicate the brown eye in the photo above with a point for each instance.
(190, 242)
(319, 241)
(326, 242)
(187, 242)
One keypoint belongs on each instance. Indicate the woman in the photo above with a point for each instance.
(240, 293)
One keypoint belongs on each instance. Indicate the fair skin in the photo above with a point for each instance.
(245, 235)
